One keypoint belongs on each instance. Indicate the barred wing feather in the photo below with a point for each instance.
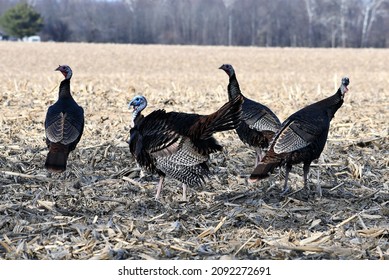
(296, 135)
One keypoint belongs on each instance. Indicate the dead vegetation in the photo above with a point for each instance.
(101, 209)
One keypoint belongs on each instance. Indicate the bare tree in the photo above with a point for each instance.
(372, 10)
(229, 4)
(310, 8)
(343, 14)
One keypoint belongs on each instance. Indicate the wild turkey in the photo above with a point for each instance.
(301, 138)
(64, 125)
(178, 144)
(258, 124)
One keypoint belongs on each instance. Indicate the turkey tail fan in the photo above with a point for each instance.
(226, 118)
(57, 158)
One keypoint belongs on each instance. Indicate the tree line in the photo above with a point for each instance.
(283, 23)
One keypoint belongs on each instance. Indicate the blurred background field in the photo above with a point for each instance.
(101, 209)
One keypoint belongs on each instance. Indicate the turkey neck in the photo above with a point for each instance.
(136, 117)
(331, 104)
(233, 87)
(64, 89)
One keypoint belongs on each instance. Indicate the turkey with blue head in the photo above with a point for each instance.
(177, 144)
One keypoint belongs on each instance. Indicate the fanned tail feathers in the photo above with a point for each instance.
(226, 118)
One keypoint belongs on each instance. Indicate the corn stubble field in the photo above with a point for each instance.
(100, 208)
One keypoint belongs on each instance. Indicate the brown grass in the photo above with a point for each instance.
(100, 209)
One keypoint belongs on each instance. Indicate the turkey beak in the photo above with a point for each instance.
(131, 103)
(221, 67)
(58, 68)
